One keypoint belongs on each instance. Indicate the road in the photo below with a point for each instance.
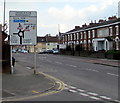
(84, 81)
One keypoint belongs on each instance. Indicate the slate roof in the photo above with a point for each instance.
(95, 25)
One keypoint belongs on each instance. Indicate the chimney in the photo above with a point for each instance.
(112, 18)
(77, 27)
(84, 25)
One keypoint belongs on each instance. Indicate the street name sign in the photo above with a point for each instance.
(23, 27)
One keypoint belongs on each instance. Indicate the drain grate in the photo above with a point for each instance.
(7, 94)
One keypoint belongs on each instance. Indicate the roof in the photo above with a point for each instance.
(51, 39)
(47, 39)
(41, 39)
(95, 25)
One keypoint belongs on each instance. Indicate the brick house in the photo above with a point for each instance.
(44, 43)
(104, 35)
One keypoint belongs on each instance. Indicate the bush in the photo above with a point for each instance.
(68, 48)
(113, 52)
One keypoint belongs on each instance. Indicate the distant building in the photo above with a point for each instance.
(44, 43)
(104, 35)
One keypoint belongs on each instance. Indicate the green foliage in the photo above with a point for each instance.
(113, 52)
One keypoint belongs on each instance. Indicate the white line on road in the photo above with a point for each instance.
(73, 91)
(94, 98)
(72, 87)
(92, 70)
(104, 97)
(83, 94)
(112, 74)
(81, 90)
(58, 62)
(117, 101)
(49, 61)
(28, 67)
(94, 94)
(71, 65)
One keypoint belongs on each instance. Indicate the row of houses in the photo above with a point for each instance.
(104, 35)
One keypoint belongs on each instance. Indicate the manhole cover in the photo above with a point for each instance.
(7, 94)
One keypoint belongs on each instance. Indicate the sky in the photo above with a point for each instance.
(62, 15)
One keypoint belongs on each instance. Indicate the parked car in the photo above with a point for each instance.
(24, 51)
(55, 51)
(13, 51)
(42, 52)
(49, 51)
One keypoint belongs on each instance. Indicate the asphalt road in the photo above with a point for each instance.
(84, 81)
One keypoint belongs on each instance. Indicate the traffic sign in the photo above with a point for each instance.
(23, 27)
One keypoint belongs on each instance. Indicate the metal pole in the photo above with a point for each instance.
(4, 18)
(11, 71)
(34, 60)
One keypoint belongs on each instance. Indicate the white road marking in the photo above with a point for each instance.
(72, 87)
(49, 61)
(28, 67)
(58, 62)
(73, 91)
(94, 94)
(65, 85)
(104, 97)
(66, 88)
(83, 94)
(112, 74)
(92, 70)
(81, 90)
(94, 98)
(117, 101)
(71, 65)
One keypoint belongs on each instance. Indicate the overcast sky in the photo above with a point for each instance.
(66, 13)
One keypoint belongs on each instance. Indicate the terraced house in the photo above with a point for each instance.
(104, 35)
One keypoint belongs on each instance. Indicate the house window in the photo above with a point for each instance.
(84, 35)
(88, 34)
(81, 35)
(75, 36)
(93, 33)
(116, 29)
(110, 31)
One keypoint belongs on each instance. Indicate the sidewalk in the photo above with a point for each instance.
(24, 83)
(107, 62)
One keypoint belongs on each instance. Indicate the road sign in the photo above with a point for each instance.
(23, 27)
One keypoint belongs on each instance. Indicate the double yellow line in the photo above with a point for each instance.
(59, 89)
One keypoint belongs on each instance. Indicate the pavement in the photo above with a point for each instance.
(25, 83)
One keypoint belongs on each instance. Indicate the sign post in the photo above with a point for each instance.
(23, 29)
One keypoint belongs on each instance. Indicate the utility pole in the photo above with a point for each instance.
(4, 17)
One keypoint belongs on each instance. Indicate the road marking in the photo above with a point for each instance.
(92, 70)
(34, 91)
(104, 97)
(94, 98)
(94, 94)
(58, 62)
(83, 94)
(66, 88)
(117, 101)
(71, 65)
(113, 74)
(65, 85)
(72, 87)
(28, 67)
(49, 61)
(81, 90)
(73, 91)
